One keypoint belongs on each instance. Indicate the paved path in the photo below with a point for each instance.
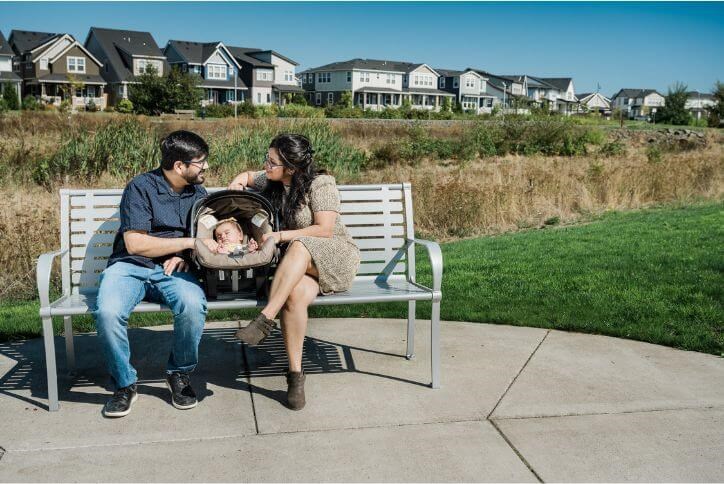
(516, 404)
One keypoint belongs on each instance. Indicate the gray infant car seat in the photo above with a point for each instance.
(245, 274)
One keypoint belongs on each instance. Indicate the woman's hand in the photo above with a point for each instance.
(240, 182)
(276, 235)
(253, 245)
(175, 263)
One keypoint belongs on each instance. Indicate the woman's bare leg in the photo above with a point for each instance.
(294, 319)
(297, 262)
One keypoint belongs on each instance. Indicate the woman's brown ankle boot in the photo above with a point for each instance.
(295, 390)
(257, 330)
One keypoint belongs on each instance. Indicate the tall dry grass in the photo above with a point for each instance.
(452, 198)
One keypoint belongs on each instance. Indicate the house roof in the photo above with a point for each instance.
(287, 88)
(369, 64)
(449, 72)
(494, 79)
(5, 48)
(196, 52)
(227, 84)
(273, 52)
(697, 94)
(131, 42)
(561, 83)
(87, 79)
(25, 40)
(9, 76)
(242, 55)
(634, 93)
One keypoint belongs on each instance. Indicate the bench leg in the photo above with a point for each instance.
(49, 342)
(410, 354)
(435, 344)
(69, 348)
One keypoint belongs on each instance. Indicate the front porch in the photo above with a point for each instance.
(379, 99)
(81, 98)
(215, 95)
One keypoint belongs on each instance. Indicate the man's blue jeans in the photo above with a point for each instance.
(122, 287)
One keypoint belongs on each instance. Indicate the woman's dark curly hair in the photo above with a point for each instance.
(296, 153)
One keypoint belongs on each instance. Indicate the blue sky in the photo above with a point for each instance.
(615, 44)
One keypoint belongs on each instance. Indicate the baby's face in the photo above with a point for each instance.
(228, 233)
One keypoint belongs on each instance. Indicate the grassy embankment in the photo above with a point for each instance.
(655, 275)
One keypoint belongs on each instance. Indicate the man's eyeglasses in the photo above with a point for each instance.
(200, 163)
(268, 162)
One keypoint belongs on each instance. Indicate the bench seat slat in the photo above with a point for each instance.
(362, 291)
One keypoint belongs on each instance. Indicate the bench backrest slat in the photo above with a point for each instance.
(378, 217)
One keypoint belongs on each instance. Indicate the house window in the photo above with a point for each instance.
(76, 64)
(364, 77)
(390, 78)
(318, 99)
(142, 66)
(268, 97)
(288, 76)
(216, 71)
(330, 98)
(469, 82)
(324, 77)
(442, 82)
(349, 76)
(264, 75)
(44, 64)
(258, 98)
(455, 82)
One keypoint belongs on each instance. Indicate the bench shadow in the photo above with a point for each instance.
(223, 362)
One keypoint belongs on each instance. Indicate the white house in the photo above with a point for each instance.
(375, 84)
(594, 102)
(470, 88)
(699, 103)
(637, 103)
(8, 79)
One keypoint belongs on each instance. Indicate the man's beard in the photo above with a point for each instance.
(197, 179)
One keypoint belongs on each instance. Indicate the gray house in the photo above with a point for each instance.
(8, 79)
(56, 68)
(214, 64)
(638, 103)
(269, 75)
(470, 88)
(124, 54)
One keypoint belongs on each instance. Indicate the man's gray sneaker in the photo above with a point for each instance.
(121, 402)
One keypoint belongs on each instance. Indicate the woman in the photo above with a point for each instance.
(321, 257)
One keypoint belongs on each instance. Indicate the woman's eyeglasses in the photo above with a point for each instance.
(268, 162)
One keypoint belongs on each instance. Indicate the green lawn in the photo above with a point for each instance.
(654, 275)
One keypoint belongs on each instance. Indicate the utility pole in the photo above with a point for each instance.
(236, 92)
(504, 88)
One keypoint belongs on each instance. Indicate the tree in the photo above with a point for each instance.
(10, 97)
(183, 90)
(149, 94)
(298, 98)
(446, 105)
(716, 112)
(345, 99)
(674, 110)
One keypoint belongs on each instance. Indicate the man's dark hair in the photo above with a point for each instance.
(182, 145)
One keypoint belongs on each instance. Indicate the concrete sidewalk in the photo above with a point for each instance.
(516, 404)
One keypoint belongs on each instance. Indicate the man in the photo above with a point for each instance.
(146, 263)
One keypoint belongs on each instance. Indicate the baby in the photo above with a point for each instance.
(230, 237)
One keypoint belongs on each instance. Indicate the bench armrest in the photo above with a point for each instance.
(435, 255)
(42, 275)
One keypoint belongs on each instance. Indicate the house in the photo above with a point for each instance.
(56, 68)
(270, 76)
(469, 87)
(375, 84)
(699, 103)
(214, 64)
(124, 54)
(504, 91)
(8, 79)
(594, 102)
(566, 101)
(637, 103)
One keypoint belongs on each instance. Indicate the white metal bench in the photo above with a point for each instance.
(379, 218)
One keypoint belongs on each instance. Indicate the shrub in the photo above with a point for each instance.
(10, 98)
(91, 107)
(219, 110)
(124, 106)
(64, 107)
(30, 103)
(653, 153)
(299, 111)
(612, 148)
(3, 106)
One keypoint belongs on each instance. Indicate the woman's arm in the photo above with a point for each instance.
(242, 180)
(323, 226)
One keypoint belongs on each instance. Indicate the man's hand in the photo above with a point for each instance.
(175, 263)
(211, 244)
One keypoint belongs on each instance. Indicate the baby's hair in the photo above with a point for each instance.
(228, 221)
